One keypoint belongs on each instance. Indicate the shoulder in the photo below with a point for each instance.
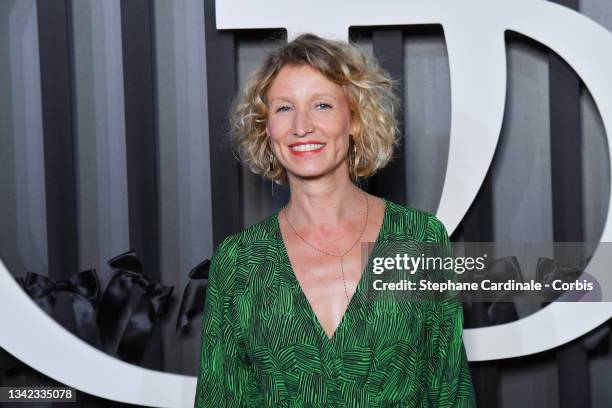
(254, 237)
(420, 224)
(238, 252)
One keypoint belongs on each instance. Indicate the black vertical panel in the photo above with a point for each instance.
(477, 226)
(389, 50)
(566, 147)
(567, 206)
(224, 168)
(55, 39)
(56, 80)
(141, 145)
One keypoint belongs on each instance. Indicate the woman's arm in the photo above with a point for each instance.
(224, 377)
(449, 381)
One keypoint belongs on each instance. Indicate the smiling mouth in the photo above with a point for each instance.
(309, 147)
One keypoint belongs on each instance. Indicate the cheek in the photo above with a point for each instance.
(338, 127)
(278, 125)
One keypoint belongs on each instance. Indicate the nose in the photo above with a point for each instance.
(302, 123)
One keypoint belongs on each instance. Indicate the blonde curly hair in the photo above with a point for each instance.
(370, 92)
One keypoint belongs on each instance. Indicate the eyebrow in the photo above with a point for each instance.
(314, 96)
(318, 95)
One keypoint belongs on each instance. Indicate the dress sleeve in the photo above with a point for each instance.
(449, 383)
(224, 376)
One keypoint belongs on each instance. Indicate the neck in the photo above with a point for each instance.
(324, 203)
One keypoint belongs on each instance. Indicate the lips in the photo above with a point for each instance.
(306, 147)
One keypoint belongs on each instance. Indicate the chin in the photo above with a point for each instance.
(309, 175)
(313, 174)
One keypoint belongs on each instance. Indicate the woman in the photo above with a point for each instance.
(287, 322)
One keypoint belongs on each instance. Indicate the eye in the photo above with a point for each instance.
(324, 105)
(283, 108)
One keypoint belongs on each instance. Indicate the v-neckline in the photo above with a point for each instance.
(302, 294)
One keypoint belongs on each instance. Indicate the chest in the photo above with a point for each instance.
(274, 299)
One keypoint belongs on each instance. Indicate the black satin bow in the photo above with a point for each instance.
(83, 289)
(122, 328)
(549, 270)
(194, 295)
(501, 309)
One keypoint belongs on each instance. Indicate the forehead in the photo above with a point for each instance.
(296, 80)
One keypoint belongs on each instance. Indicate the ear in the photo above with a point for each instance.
(354, 123)
(354, 128)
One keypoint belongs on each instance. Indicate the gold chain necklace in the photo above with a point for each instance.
(335, 255)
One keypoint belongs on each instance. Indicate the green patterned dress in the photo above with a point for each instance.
(263, 346)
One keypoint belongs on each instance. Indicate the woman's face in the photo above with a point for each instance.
(309, 122)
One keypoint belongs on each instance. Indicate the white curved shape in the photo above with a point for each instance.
(476, 121)
(587, 48)
(475, 126)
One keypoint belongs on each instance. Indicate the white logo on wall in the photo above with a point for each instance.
(474, 32)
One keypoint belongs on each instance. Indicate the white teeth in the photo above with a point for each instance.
(306, 147)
